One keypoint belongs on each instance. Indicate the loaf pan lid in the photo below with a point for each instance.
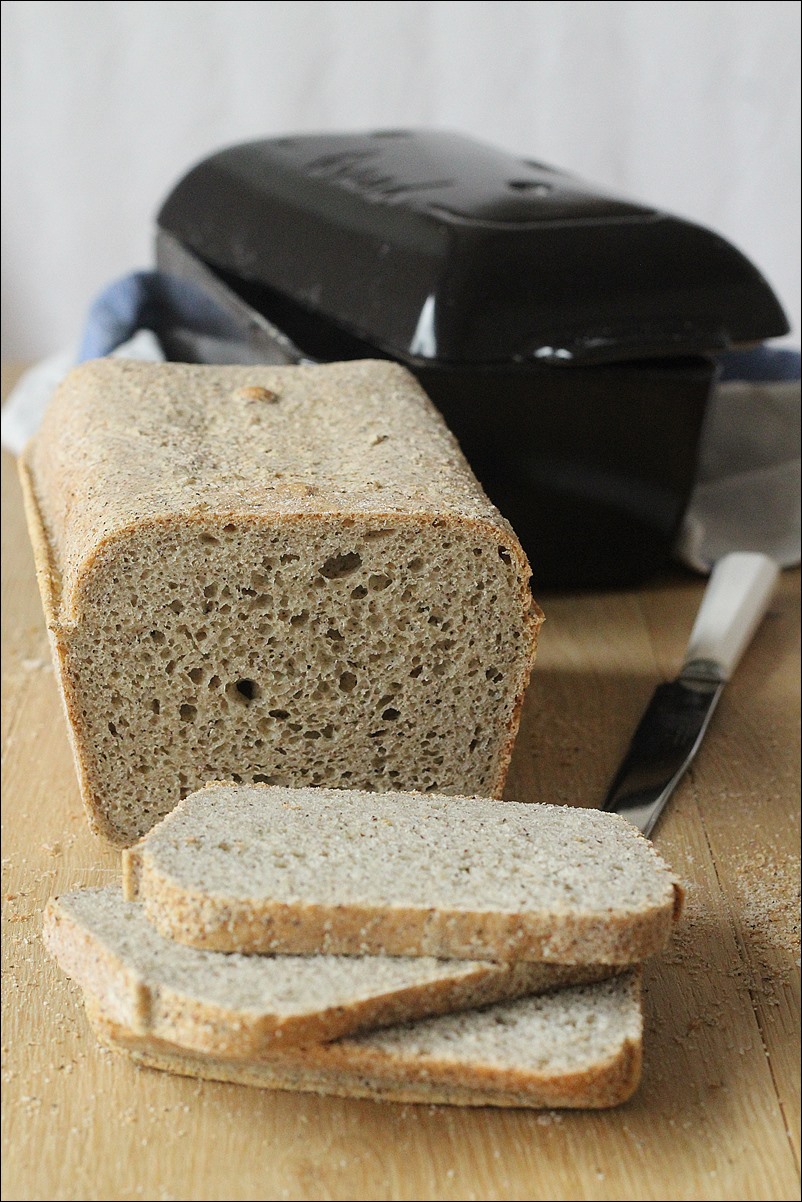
(432, 246)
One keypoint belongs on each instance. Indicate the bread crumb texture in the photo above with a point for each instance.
(242, 1005)
(578, 1047)
(282, 575)
(265, 868)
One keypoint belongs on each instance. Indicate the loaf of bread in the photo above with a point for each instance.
(267, 869)
(240, 1006)
(276, 574)
(578, 1047)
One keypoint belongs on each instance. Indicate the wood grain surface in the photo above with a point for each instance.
(717, 1115)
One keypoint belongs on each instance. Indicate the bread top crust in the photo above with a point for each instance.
(125, 443)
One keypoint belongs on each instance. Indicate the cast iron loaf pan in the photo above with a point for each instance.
(567, 336)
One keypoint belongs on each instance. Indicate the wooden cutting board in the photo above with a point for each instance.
(717, 1115)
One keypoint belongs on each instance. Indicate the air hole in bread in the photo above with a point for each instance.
(337, 566)
(243, 691)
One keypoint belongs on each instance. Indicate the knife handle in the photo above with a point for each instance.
(735, 600)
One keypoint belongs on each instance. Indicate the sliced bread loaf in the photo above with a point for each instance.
(241, 1005)
(263, 869)
(280, 574)
(577, 1048)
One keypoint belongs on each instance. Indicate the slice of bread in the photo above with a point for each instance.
(279, 574)
(262, 869)
(577, 1048)
(241, 1005)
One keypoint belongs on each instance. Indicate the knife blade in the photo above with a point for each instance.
(674, 723)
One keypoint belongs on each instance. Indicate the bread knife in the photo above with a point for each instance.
(675, 721)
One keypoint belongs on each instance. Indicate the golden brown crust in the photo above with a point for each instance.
(257, 925)
(47, 574)
(679, 901)
(214, 921)
(179, 1016)
(49, 580)
(537, 618)
(348, 1069)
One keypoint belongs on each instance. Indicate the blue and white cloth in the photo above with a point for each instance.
(747, 491)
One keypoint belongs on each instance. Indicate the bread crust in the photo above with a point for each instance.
(179, 1015)
(256, 925)
(216, 921)
(352, 1068)
(49, 580)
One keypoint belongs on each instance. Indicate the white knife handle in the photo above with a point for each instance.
(735, 600)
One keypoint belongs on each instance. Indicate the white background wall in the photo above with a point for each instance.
(693, 107)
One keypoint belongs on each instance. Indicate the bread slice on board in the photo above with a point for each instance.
(280, 574)
(263, 869)
(578, 1048)
(241, 1005)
